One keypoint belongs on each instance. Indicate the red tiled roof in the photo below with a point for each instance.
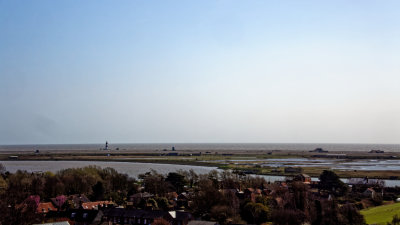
(45, 207)
(94, 205)
(250, 189)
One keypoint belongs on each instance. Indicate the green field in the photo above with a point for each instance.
(381, 214)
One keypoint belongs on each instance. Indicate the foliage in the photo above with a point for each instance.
(395, 220)
(212, 196)
(177, 181)
(330, 182)
(255, 213)
(3, 185)
(350, 215)
(98, 191)
(60, 200)
(153, 203)
(2, 169)
(12, 212)
(162, 203)
(288, 217)
(154, 183)
(222, 213)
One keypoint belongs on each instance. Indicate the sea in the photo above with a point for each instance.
(207, 147)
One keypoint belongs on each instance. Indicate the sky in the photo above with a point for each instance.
(199, 71)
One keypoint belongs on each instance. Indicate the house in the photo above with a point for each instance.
(201, 222)
(172, 196)
(365, 181)
(96, 205)
(281, 184)
(266, 191)
(183, 200)
(138, 216)
(76, 216)
(252, 194)
(136, 198)
(180, 217)
(45, 207)
(75, 201)
(85, 217)
(306, 179)
(229, 190)
(54, 223)
(370, 192)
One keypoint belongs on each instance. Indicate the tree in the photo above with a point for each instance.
(331, 213)
(213, 176)
(288, 217)
(98, 191)
(193, 177)
(229, 180)
(53, 186)
(222, 213)
(351, 216)
(37, 186)
(3, 169)
(23, 213)
(395, 220)
(3, 185)
(162, 203)
(152, 202)
(330, 182)
(154, 183)
(255, 213)
(177, 180)
(205, 197)
(60, 200)
(300, 196)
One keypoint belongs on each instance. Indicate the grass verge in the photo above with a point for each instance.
(380, 214)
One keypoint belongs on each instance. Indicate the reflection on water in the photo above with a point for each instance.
(134, 169)
(341, 164)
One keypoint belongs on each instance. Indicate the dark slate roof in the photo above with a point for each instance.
(155, 214)
(83, 215)
(183, 215)
(114, 212)
(137, 213)
(134, 213)
(142, 195)
(200, 222)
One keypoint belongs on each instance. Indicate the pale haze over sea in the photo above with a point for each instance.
(203, 71)
(208, 147)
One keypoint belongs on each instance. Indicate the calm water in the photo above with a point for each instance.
(209, 147)
(132, 169)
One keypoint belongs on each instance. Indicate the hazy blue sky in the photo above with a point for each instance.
(199, 71)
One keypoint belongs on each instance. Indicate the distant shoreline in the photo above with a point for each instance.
(222, 147)
(217, 159)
